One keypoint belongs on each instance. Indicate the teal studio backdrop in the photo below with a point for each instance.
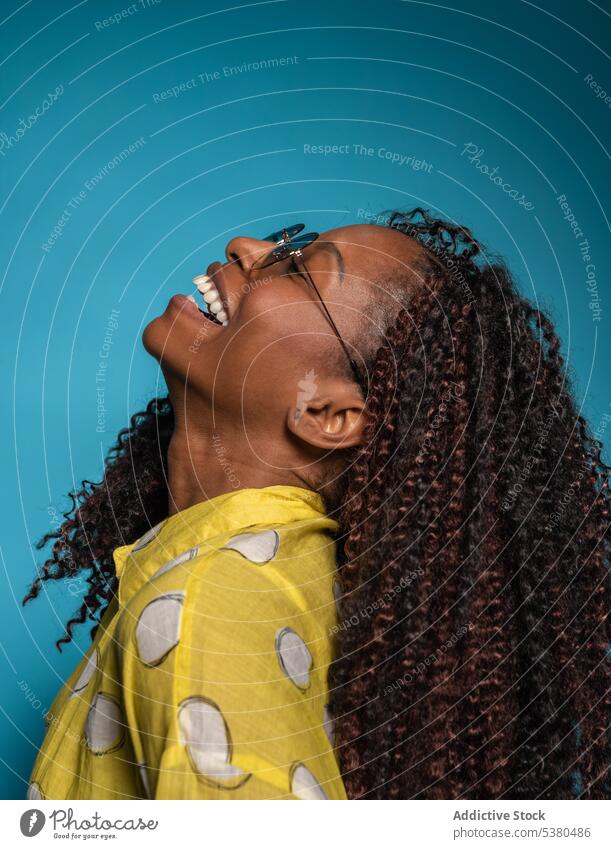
(136, 139)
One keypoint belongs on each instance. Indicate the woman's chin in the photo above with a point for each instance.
(175, 348)
(154, 338)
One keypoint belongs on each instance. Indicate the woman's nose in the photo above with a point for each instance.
(246, 252)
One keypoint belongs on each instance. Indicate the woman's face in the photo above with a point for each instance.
(277, 333)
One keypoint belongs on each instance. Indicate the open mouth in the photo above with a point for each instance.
(214, 309)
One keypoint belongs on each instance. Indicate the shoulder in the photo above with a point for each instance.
(205, 598)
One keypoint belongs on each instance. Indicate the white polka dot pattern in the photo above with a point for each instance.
(204, 733)
(257, 547)
(328, 725)
(87, 673)
(294, 657)
(148, 536)
(105, 725)
(182, 558)
(304, 785)
(144, 778)
(158, 628)
(34, 792)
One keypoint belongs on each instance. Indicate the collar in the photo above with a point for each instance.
(209, 523)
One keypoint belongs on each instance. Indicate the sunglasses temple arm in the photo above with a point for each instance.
(353, 364)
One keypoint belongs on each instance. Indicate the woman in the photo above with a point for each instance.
(380, 397)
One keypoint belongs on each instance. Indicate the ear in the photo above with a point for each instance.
(332, 418)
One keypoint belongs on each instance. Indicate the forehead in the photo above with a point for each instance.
(368, 247)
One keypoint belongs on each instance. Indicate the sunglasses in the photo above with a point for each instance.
(290, 242)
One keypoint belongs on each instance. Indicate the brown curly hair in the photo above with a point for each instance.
(472, 552)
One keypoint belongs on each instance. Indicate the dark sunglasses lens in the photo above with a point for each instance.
(302, 241)
(276, 255)
(282, 251)
(279, 235)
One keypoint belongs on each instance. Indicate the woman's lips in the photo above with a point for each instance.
(188, 303)
(184, 302)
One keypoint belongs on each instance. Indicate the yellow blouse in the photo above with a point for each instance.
(207, 678)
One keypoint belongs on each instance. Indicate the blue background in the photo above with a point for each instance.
(226, 157)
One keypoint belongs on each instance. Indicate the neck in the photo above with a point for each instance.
(202, 465)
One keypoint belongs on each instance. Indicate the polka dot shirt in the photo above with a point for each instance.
(207, 678)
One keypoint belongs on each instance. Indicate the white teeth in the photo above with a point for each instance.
(203, 283)
(216, 307)
(224, 323)
(211, 296)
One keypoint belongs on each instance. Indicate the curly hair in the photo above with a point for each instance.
(472, 553)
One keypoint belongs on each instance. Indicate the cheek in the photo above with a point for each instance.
(258, 365)
(268, 301)
(256, 355)
(257, 377)
(278, 334)
(267, 326)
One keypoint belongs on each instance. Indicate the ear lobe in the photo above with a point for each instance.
(330, 422)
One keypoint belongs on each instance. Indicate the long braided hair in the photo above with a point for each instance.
(472, 553)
